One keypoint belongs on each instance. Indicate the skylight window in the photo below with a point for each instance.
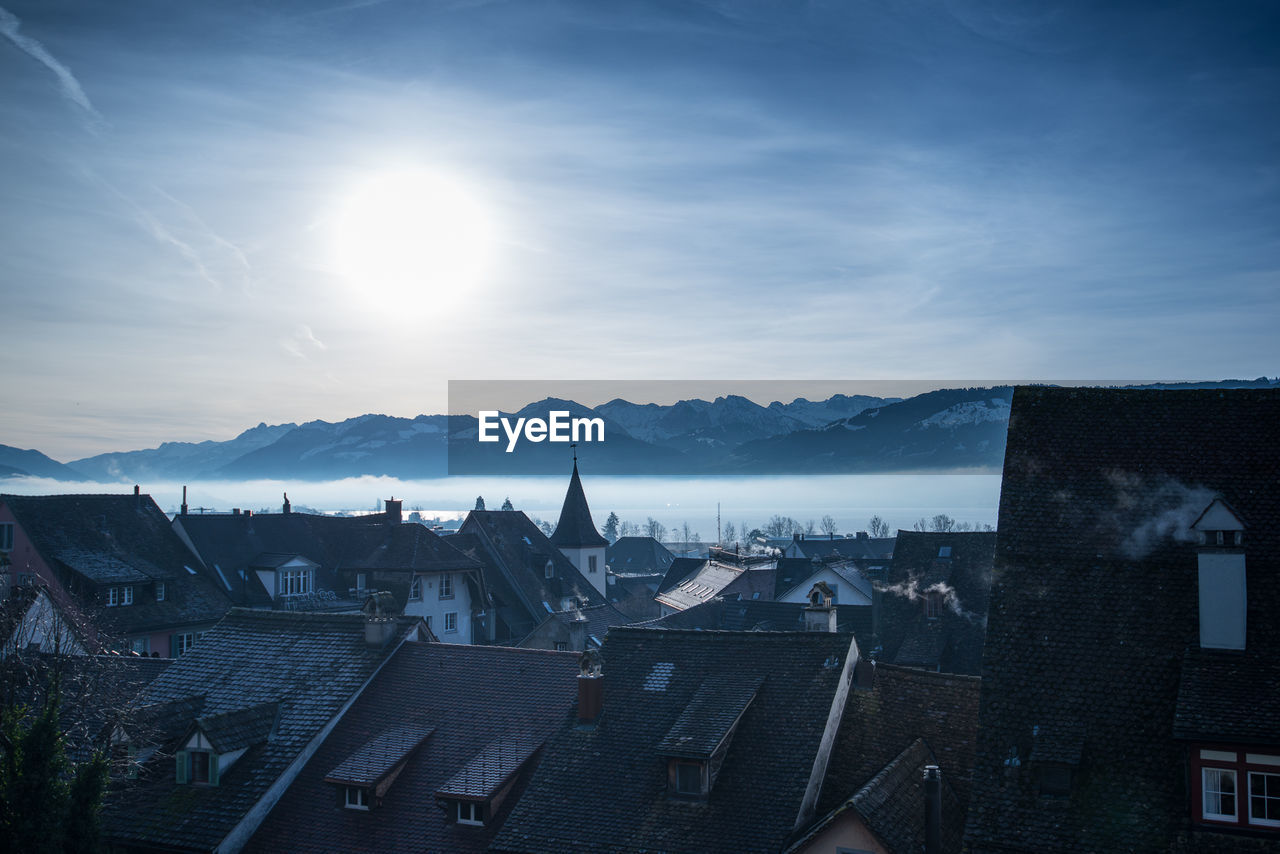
(660, 676)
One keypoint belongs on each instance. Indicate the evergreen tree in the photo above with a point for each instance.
(479, 502)
(42, 808)
(507, 505)
(610, 529)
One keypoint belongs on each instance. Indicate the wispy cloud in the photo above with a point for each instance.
(302, 341)
(67, 82)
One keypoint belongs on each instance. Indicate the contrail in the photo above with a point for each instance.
(9, 25)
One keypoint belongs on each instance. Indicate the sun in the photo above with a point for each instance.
(411, 235)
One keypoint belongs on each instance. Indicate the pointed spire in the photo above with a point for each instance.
(576, 530)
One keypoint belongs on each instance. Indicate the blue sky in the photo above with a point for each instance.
(663, 190)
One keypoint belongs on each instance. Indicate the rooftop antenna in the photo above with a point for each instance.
(574, 447)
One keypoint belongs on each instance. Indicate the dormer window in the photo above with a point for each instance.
(470, 812)
(549, 571)
(365, 776)
(1222, 578)
(159, 591)
(357, 798)
(696, 745)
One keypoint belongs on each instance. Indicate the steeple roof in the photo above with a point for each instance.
(575, 529)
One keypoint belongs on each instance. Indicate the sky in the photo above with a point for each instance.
(217, 214)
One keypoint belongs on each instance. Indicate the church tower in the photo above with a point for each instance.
(576, 535)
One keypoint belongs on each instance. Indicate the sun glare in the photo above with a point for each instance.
(406, 236)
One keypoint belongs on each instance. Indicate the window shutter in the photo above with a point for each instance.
(182, 766)
(213, 769)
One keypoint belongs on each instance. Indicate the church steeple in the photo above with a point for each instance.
(575, 529)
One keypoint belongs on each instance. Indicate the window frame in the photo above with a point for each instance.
(303, 575)
(475, 812)
(160, 591)
(361, 800)
(446, 585)
(591, 563)
(1267, 796)
(113, 597)
(1244, 764)
(126, 597)
(415, 589)
(448, 621)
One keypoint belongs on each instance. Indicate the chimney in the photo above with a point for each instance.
(863, 535)
(590, 689)
(235, 511)
(932, 810)
(578, 634)
(379, 630)
(288, 508)
(1223, 595)
(184, 500)
(393, 510)
(137, 496)
(820, 613)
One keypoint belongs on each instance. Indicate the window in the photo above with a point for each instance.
(182, 643)
(470, 813)
(141, 646)
(296, 581)
(561, 646)
(362, 581)
(549, 571)
(688, 778)
(357, 798)
(199, 766)
(415, 588)
(6, 536)
(451, 621)
(1237, 788)
(1264, 798)
(933, 604)
(113, 597)
(1219, 791)
(159, 591)
(446, 586)
(591, 563)
(127, 599)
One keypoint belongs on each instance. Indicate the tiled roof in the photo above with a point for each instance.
(122, 539)
(519, 551)
(310, 664)
(1095, 603)
(892, 804)
(234, 545)
(239, 728)
(753, 583)
(379, 756)
(491, 768)
(472, 696)
(701, 585)
(575, 528)
(710, 715)
(905, 704)
(1229, 696)
(954, 639)
(638, 555)
(650, 679)
(871, 548)
(599, 618)
(764, 616)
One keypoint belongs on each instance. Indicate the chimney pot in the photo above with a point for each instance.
(932, 810)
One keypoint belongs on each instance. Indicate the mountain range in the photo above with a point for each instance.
(938, 430)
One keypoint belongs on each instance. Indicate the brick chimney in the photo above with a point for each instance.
(590, 689)
(394, 510)
(932, 810)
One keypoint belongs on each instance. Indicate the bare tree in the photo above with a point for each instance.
(629, 529)
(655, 529)
(730, 533)
(810, 528)
(921, 524)
(828, 525)
(942, 523)
(878, 527)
